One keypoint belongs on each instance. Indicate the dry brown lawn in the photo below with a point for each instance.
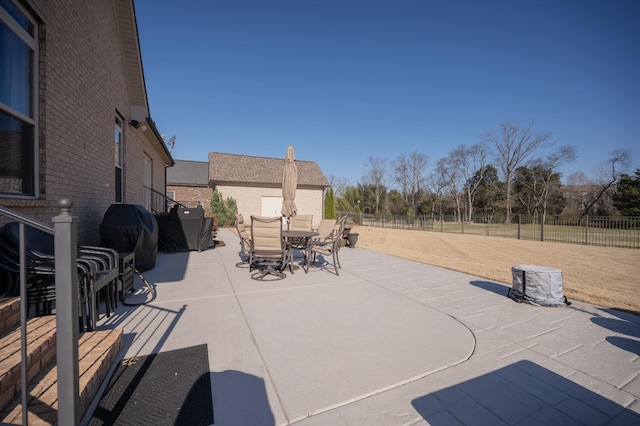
(608, 277)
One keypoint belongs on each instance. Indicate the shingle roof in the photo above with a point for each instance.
(234, 168)
(185, 172)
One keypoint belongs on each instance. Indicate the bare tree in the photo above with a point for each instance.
(618, 161)
(470, 162)
(338, 183)
(376, 173)
(401, 175)
(441, 180)
(577, 179)
(576, 192)
(409, 172)
(454, 161)
(514, 145)
(565, 154)
(418, 170)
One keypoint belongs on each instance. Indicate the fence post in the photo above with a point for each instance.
(66, 252)
(542, 228)
(586, 230)
(519, 221)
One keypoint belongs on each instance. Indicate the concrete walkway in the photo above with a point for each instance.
(388, 342)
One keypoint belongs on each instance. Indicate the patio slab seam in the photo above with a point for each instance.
(257, 346)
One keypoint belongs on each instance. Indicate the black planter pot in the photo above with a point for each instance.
(352, 239)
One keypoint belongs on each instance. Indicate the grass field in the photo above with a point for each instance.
(571, 234)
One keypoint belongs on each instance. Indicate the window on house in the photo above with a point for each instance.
(148, 182)
(171, 195)
(18, 103)
(119, 181)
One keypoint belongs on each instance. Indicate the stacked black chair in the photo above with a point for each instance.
(40, 278)
(97, 272)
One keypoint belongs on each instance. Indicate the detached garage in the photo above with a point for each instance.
(256, 184)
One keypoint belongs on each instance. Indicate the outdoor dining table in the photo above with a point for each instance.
(298, 236)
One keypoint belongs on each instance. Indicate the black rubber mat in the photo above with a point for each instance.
(169, 388)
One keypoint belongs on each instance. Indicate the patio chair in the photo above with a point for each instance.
(326, 229)
(300, 222)
(268, 252)
(329, 247)
(98, 269)
(40, 277)
(245, 241)
(40, 280)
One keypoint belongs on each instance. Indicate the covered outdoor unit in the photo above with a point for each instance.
(185, 229)
(537, 285)
(131, 228)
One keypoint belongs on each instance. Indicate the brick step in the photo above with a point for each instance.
(97, 351)
(41, 348)
(9, 313)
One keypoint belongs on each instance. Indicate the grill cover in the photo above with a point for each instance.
(185, 229)
(131, 228)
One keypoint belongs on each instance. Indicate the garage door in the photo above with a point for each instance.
(271, 206)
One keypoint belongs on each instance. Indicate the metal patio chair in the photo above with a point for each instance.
(98, 270)
(329, 248)
(245, 241)
(326, 229)
(268, 250)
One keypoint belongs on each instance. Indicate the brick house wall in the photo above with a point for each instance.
(82, 88)
(192, 194)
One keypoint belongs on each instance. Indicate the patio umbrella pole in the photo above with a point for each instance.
(289, 185)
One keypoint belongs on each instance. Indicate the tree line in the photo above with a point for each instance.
(500, 175)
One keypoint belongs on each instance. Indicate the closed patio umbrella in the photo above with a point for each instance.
(289, 184)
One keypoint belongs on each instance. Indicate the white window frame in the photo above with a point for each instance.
(119, 159)
(147, 181)
(172, 195)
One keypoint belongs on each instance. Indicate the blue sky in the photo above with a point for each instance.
(344, 80)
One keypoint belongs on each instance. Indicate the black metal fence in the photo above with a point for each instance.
(606, 231)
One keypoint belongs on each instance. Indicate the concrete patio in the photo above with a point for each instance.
(388, 342)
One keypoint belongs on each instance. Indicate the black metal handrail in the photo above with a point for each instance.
(159, 203)
(66, 305)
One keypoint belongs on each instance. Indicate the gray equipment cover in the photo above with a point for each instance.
(537, 285)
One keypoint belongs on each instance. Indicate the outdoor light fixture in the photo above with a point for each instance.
(136, 124)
